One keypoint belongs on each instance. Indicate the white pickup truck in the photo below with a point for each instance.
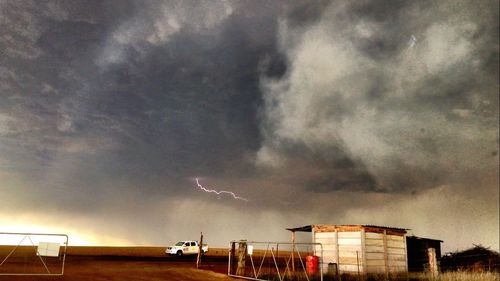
(186, 248)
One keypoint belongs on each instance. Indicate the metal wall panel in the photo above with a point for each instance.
(374, 242)
(396, 251)
(374, 249)
(378, 262)
(396, 238)
(371, 235)
(351, 268)
(374, 256)
(396, 244)
(350, 234)
(349, 241)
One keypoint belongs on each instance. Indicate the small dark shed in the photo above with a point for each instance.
(418, 252)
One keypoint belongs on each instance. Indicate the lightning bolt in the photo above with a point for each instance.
(412, 41)
(220, 192)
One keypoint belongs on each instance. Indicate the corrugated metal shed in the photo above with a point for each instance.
(363, 248)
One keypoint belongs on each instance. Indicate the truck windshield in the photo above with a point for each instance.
(179, 244)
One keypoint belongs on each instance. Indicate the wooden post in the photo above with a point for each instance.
(337, 251)
(386, 255)
(293, 251)
(200, 251)
(242, 254)
(277, 251)
(433, 268)
(357, 261)
(232, 258)
(363, 251)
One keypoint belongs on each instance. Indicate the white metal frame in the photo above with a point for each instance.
(281, 274)
(28, 236)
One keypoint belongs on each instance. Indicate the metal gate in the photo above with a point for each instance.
(32, 253)
(281, 261)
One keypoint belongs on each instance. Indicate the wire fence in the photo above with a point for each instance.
(32, 253)
(278, 261)
(287, 261)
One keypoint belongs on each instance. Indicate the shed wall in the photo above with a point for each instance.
(341, 248)
(417, 252)
(367, 252)
(330, 247)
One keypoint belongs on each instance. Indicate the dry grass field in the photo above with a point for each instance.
(78, 269)
(117, 263)
(446, 276)
(151, 264)
(460, 276)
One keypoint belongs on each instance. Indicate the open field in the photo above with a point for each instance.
(142, 251)
(120, 263)
(85, 269)
(149, 263)
(131, 251)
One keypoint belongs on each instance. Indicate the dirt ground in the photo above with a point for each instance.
(134, 269)
(116, 264)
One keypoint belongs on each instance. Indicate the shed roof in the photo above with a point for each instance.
(305, 228)
(423, 238)
(309, 228)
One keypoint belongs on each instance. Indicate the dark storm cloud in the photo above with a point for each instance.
(393, 96)
(196, 95)
(109, 109)
(145, 96)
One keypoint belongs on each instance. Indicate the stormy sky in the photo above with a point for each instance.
(317, 112)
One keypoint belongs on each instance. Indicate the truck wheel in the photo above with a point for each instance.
(179, 253)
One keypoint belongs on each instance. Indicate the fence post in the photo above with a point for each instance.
(232, 257)
(200, 251)
(433, 269)
(293, 251)
(386, 256)
(242, 253)
(357, 261)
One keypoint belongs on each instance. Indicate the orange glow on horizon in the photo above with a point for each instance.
(76, 238)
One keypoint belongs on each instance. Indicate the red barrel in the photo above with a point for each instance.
(312, 265)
